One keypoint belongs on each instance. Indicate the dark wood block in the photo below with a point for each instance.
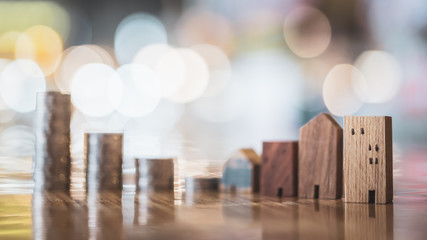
(241, 172)
(279, 169)
(320, 158)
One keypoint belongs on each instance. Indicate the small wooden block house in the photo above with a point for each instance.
(242, 171)
(368, 159)
(279, 169)
(320, 158)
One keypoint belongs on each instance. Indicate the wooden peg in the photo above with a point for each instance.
(320, 158)
(368, 159)
(241, 172)
(279, 169)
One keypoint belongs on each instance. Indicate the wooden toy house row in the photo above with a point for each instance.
(313, 167)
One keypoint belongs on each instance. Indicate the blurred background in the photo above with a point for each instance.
(200, 79)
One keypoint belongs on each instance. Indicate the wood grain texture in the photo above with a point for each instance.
(369, 221)
(320, 220)
(368, 159)
(225, 216)
(279, 169)
(242, 172)
(320, 158)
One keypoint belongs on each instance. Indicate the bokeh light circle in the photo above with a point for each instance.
(381, 77)
(8, 44)
(75, 57)
(218, 65)
(171, 69)
(338, 93)
(183, 73)
(201, 26)
(135, 32)
(42, 45)
(19, 83)
(196, 77)
(151, 54)
(96, 89)
(141, 90)
(307, 31)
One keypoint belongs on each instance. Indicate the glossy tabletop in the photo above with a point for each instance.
(205, 216)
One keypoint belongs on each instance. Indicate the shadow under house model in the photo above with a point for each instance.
(368, 159)
(279, 169)
(320, 158)
(241, 172)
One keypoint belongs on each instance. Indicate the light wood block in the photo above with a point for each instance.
(320, 158)
(279, 169)
(241, 172)
(368, 159)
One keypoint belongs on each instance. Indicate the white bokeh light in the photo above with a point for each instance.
(19, 83)
(196, 77)
(141, 90)
(338, 93)
(381, 77)
(183, 73)
(75, 57)
(151, 54)
(218, 65)
(171, 69)
(3, 64)
(96, 89)
(135, 32)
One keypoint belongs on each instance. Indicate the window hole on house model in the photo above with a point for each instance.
(371, 197)
(370, 148)
(279, 192)
(376, 160)
(370, 160)
(362, 131)
(376, 148)
(316, 192)
(352, 131)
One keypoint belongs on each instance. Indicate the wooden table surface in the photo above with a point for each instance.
(206, 216)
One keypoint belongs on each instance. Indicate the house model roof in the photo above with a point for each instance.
(247, 153)
(321, 119)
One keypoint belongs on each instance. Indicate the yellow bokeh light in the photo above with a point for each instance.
(7, 44)
(42, 45)
(20, 15)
